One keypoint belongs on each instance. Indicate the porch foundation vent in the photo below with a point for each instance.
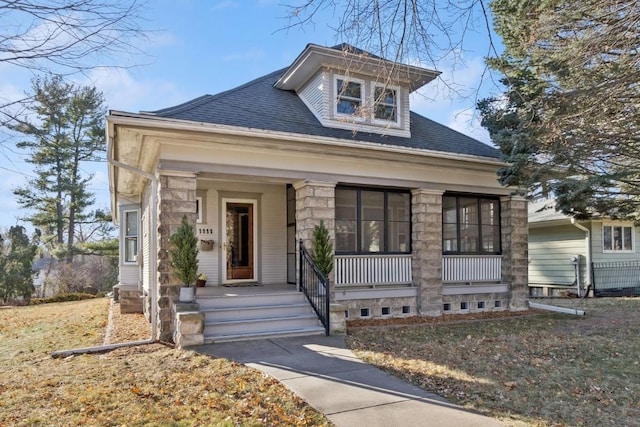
(447, 306)
(406, 309)
(498, 304)
(364, 312)
(386, 311)
(481, 305)
(464, 305)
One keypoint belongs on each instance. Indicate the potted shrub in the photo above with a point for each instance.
(201, 280)
(184, 258)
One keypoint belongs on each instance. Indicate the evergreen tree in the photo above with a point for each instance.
(184, 255)
(322, 249)
(16, 261)
(581, 63)
(67, 131)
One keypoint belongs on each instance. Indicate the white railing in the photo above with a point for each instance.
(372, 270)
(471, 268)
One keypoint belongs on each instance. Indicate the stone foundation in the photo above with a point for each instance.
(380, 308)
(129, 298)
(475, 303)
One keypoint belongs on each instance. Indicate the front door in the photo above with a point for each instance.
(239, 244)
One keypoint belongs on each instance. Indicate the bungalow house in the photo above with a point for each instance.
(569, 254)
(419, 223)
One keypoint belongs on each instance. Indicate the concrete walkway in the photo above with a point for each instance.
(328, 376)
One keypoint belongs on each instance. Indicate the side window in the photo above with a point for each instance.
(617, 238)
(131, 225)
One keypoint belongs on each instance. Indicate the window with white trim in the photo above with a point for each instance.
(617, 238)
(385, 103)
(130, 236)
(349, 96)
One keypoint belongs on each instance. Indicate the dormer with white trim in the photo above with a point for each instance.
(347, 88)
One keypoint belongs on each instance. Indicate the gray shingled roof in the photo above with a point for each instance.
(259, 105)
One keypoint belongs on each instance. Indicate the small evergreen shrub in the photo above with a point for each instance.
(184, 255)
(322, 249)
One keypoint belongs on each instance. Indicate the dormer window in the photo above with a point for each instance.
(385, 103)
(349, 96)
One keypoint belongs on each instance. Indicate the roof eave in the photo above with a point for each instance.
(313, 57)
(133, 119)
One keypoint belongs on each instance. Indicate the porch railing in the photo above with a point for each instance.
(372, 270)
(471, 268)
(315, 287)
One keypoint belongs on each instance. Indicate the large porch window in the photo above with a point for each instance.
(372, 221)
(470, 225)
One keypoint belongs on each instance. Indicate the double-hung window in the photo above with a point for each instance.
(385, 103)
(617, 238)
(349, 96)
(372, 221)
(470, 225)
(130, 236)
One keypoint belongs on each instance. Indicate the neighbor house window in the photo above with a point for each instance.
(372, 221)
(130, 236)
(470, 225)
(385, 105)
(617, 238)
(349, 96)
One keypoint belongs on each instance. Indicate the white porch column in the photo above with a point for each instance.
(426, 240)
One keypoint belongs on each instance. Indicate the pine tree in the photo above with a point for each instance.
(67, 131)
(184, 255)
(16, 260)
(322, 249)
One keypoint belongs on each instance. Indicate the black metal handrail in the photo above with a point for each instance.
(315, 286)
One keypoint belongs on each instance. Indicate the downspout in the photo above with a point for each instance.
(153, 283)
(587, 242)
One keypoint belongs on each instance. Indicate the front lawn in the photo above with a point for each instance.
(151, 385)
(542, 370)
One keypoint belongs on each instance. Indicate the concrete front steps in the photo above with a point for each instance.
(256, 314)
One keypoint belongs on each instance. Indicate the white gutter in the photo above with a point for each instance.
(587, 242)
(556, 308)
(153, 284)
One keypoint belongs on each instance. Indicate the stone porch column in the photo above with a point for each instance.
(426, 240)
(176, 198)
(315, 201)
(515, 254)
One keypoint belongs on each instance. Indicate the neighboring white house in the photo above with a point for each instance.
(568, 252)
(419, 222)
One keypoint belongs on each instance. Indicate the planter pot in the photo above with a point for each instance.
(201, 283)
(187, 294)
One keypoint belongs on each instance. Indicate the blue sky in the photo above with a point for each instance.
(205, 47)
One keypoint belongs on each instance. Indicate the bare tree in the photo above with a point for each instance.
(44, 35)
(424, 32)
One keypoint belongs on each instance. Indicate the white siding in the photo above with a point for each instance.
(271, 233)
(550, 252)
(312, 94)
(146, 235)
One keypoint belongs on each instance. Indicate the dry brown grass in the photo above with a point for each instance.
(543, 370)
(151, 385)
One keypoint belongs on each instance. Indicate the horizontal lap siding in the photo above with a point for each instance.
(550, 252)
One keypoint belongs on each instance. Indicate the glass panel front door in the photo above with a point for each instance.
(239, 244)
